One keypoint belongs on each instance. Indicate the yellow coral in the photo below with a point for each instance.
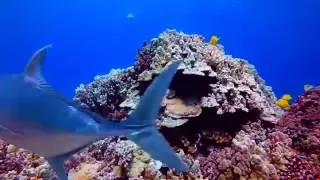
(214, 40)
(139, 163)
(179, 108)
(86, 172)
(11, 148)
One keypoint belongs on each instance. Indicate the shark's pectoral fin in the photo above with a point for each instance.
(151, 141)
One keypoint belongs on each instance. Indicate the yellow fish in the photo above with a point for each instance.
(283, 102)
(286, 97)
(307, 87)
(214, 40)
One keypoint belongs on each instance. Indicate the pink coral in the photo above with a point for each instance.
(19, 163)
(302, 124)
(306, 108)
(247, 157)
(107, 155)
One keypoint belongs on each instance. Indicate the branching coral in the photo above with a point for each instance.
(105, 94)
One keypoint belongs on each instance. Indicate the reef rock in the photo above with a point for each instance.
(302, 124)
(207, 78)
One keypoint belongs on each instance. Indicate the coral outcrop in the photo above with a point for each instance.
(302, 124)
(218, 114)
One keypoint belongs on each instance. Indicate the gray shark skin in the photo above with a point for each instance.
(35, 117)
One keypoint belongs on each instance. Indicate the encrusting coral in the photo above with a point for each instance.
(218, 115)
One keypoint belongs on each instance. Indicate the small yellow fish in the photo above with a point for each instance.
(214, 40)
(283, 102)
(307, 87)
(286, 97)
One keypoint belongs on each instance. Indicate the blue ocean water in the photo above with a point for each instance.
(281, 38)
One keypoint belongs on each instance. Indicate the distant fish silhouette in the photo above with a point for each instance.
(307, 87)
(130, 16)
(35, 117)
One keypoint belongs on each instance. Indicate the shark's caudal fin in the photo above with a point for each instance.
(57, 162)
(145, 115)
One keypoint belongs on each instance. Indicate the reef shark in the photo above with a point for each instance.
(37, 118)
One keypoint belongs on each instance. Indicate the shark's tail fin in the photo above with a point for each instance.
(148, 137)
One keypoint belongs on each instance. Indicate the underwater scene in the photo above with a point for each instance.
(155, 90)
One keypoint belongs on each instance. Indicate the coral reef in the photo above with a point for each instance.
(302, 124)
(218, 115)
(17, 163)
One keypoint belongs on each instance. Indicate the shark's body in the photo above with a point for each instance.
(35, 117)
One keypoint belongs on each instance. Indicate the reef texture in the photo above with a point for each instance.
(218, 115)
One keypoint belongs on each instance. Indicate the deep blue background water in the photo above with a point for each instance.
(281, 38)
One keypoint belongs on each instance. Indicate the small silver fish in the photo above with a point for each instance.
(35, 117)
(308, 87)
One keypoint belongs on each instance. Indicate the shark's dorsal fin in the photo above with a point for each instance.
(34, 66)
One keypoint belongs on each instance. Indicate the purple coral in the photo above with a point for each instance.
(144, 59)
(302, 124)
(8, 159)
(245, 158)
(305, 109)
(19, 163)
(109, 153)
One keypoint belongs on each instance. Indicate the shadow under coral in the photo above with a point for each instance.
(194, 130)
(185, 85)
(202, 131)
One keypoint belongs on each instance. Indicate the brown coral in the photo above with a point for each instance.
(179, 108)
